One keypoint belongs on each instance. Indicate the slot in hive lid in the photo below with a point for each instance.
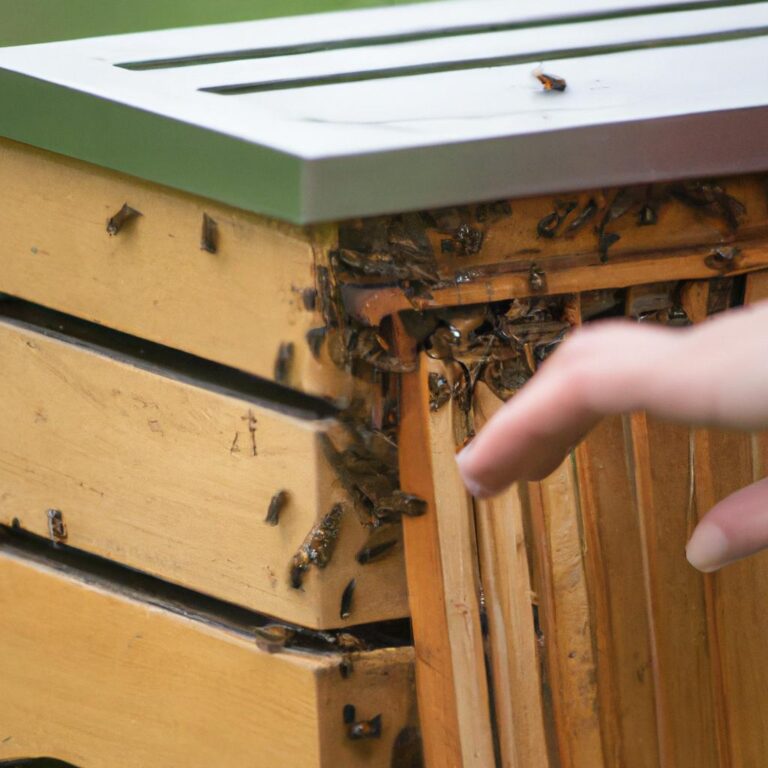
(362, 112)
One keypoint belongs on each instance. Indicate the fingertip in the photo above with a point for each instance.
(709, 548)
(471, 482)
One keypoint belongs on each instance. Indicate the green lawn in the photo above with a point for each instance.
(32, 21)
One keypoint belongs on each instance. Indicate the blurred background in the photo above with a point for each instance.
(35, 21)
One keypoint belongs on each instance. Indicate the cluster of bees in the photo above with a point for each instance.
(707, 198)
(501, 344)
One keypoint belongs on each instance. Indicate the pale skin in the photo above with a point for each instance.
(713, 374)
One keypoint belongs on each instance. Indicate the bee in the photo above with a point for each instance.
(607, 239)
(537, 279)
(391, 508)
(348, 642)
(57, 528)
(346, 600)
(210, 235)
(276, 505)
(587, 214)
(439, 391)
(309, 299)
(362, 729)
(469, 239)
(283, 362)
(550, 82)
(505, 377)
(371, 553)
(723, 259)
(318, 546)
(346, 667)
(274, 637)
(315, 338)
(648, 216)
(549, 225)
(299, 566)
(121, 218)
(712, 200)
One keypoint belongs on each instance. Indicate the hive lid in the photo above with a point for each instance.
(344, 114)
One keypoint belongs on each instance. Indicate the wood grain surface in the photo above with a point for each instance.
(443, 585)
(99, 678)
(152, 279)
(176, 480)
(514, 656)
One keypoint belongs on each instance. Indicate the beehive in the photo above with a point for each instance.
(260, 280)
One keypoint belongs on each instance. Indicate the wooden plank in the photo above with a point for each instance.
(176, 480)
(695, 300)
(566, 618)
(734, 461)
(684, 653)
(512, 632)
(153, 280)
(614, 568)
(129, 684)
(443, 586)
(677, 605)
(435, 684)
(679, 245)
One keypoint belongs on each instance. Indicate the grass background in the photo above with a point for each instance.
(34, 21)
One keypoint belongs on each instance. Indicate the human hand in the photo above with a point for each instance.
(712, 374)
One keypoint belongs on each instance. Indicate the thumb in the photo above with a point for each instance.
(734, 528)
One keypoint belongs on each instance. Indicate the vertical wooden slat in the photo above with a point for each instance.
(435, 686)
(679, 606)
(614, 564)
(614, 572)
(695, 300)
(677, 615)
(736, 460)
(512, 637)
(443, 584)
(565, 618)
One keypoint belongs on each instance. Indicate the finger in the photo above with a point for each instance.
(734, 528)
(598, 371)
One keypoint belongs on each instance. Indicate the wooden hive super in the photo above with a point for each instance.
(277, 272)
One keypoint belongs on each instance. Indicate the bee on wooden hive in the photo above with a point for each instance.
(550, 82)
(373, 552)
(283, 362)
(362, 729)
(57, 528)
(346, 600)
(209, 238)
(121, 218)
(276, 506)
(274, 637)
(318, 546)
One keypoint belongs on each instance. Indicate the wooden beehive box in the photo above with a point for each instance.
(260, 280)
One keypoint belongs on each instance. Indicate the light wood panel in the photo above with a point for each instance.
(685, 703)
(517, 683)
(444, 586)
(99, 678)
(615, 577)
(742, 619)
(566, 618)
(684, 649)
(152, 279)
(176, 480)
(680, 224)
